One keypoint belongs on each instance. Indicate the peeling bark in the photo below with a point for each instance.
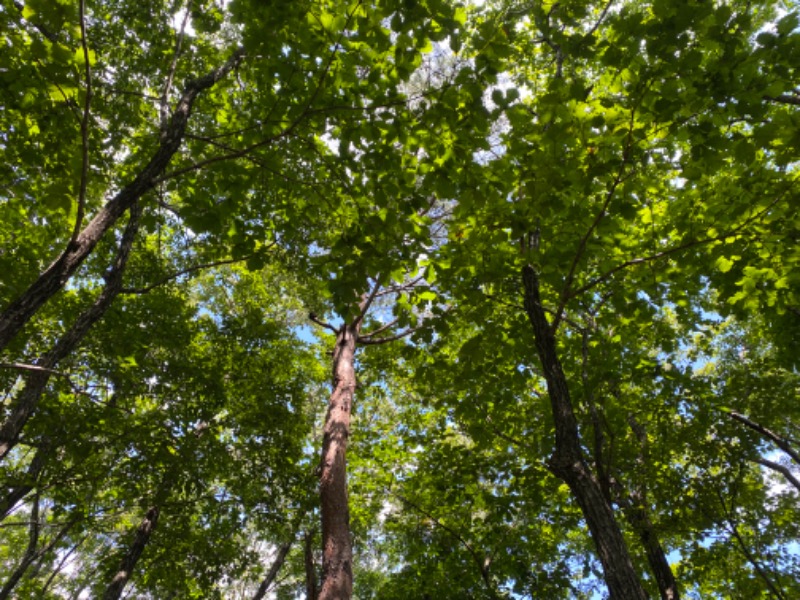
(568, 463)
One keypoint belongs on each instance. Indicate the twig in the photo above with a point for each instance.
(565, 293)
(600, 19)
(645, 259)
(186, 271)
(164, 100)
(34, 368)
(365, 305)
(322, 323)
(378, 330)
(785, 99)
(84, 182)
(386, 340)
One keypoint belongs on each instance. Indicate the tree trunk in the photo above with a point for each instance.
(26, 402)
(280, 558)
(18, 492)
(337, 552)
(634, 507)
(568, 463)
(636, 514)
(14, 318)
(30, 552)
(311, 570)
(123, 575)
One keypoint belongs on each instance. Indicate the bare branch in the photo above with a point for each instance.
(386, 340)
(400, 288)
(781, 442)
(367, 302)
(378, 330)
(565, 292)
(751, 558)
(322, 323)
(34, 368)
(785, 471)
(54, 277)
(600, 19)
(479, 559)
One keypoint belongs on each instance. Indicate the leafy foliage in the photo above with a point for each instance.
(640, 156)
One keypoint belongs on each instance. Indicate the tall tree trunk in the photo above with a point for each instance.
(568, 463)
(337, 552)
(280, 558)
(14, 318)
(123, 575)
(26, 402)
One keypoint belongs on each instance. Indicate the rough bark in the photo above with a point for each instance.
(280, 558)
(639, 520)
(26, 402)
(132, 556)
(337, 552)
(50, 282)
(568, 463)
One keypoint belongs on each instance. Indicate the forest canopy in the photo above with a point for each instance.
(391, 299)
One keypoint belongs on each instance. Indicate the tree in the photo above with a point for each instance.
(574, 221)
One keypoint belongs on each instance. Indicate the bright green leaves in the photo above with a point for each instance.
(725, 264)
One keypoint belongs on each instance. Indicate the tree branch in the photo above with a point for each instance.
(781, 442)
(565, 292)
(386, 340)
(277, 563)
(479, 559)
(26, 402)
(84, 181)
(186, 271)
(55, 277)
(322, 323)
(164, 100)
(363, 307)
(378, 330)
(33, 368)
(785, 471)
(746, 551)
(785, 99)
(664, 253)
